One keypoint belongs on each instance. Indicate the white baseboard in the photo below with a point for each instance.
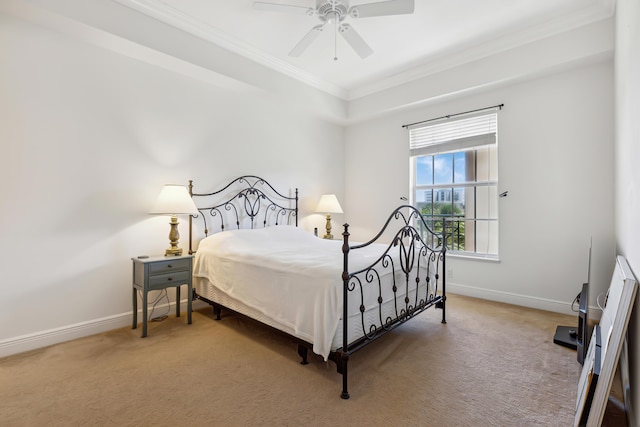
(49, 337)
(518, 299)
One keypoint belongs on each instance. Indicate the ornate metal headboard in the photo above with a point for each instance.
(248, 202)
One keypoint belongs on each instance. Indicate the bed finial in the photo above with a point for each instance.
(345, 251)
(191, 220)
(296, 209)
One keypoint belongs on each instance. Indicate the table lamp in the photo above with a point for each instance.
(174, 200)
(329, 204)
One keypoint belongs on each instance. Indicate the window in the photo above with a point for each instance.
(454, 170)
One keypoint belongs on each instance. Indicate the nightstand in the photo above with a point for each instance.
(160, 272)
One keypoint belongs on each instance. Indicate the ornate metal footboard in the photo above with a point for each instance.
(416, 263)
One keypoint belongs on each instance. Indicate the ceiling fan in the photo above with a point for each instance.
(334, 12)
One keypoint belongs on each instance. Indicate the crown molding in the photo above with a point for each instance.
(167, 14)
(476, 50)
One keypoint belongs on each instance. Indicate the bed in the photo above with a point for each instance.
(331, 296)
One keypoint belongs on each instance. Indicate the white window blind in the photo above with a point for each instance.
(453, 135)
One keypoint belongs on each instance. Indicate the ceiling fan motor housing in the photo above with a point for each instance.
(332, 9)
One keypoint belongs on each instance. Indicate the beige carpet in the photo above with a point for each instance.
(491, 365)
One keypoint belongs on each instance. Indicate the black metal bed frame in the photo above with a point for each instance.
(256, 198)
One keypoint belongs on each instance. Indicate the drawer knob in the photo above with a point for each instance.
(169, 266)
(170, 279)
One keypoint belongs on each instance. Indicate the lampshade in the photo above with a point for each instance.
(174, 200)
(329, 204)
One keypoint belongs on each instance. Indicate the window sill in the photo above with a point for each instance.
(473, 257)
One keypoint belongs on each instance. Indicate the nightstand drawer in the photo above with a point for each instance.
(170, 279)
(169, 265)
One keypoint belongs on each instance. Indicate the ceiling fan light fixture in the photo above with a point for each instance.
(333, 17)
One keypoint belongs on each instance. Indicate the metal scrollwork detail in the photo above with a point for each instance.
(405, 277)
(242, 202)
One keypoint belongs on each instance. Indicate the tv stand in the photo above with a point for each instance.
(577, 338)
(566, 336)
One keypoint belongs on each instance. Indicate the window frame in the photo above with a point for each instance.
(451, 144)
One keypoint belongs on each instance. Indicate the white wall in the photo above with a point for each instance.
(556, 160)
(95, 117)
(627, 177)
(89, 136)
(476, 70)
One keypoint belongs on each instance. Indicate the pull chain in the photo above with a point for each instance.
(335, 42)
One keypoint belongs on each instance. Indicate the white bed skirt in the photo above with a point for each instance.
(206, 289)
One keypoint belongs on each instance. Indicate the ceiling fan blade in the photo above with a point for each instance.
(306, 41)
(357, 43)
(390, 7)
(287, 8)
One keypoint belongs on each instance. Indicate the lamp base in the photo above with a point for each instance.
(174, 236)
(173, 252)
(328, 234)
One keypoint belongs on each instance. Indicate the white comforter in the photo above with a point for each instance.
(285, 273)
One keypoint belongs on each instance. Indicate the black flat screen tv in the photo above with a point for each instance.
(583, 336)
